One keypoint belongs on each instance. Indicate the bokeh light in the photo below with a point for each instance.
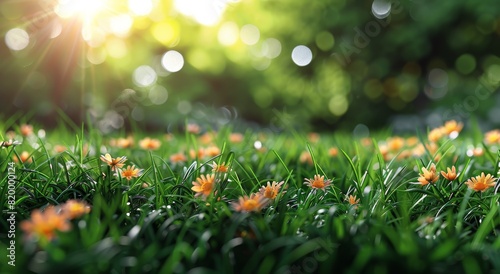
(158, 95)
(140, 7)
(205, 12)
(172, 61)
(250, 34)
(144, 76)
(381, 8)
(228, 33)
(17, 39)
(302, 55)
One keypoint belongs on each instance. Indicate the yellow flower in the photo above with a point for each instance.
(395, 143)
(74, 209)
(45, 224)
(428, 175)
(318, 182)
(222, 168)
(481, 182)
(203, 185)
(451, 174)
(131, 172)
(271, 190)
(150, 144)
(248, 204)
(114, 163)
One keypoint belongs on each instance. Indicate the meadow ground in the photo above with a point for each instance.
(229, 201)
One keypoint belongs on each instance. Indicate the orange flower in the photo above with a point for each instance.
(131, 172)
(122, 142)
(60, 148)
(212, 151)
(207, 138)
(222, 168)
(114, 163)
(492, 137)
(481, 182)
(193, 128)
(235, 138)
(333, 151)
(318, 182)
(271, 190)
(45, 224)
(352, 199)
(248, 204)
(428, 175)
(26, 130)
(451, 128)
(313, 137)
(149, 144)
(24, 157)
(199, 155)
(451, 174)
(178, 158)
(412, 141)
(305, 157)
(204, 185)
(395, 143)
(74, 209)
(435, 134)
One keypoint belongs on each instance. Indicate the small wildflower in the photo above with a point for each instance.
(481, 182)
(212, 151)
(197, 154)
(435, 135)
(492, 137)
(305, 157)
(44, 224)
(74, 209)
(114, 163)
(313, 137)
(122, 142)
(193, 128)
(24, 157)
(204, 185)
(149, 144)
(451, 174)
(411, 141)
(235, 138)
(395, 143)
(452, 128)
(353, 200)
(178, 158)
(131, 172)
(222, 168)
(207, 138)
(26, 130)
(318, 182)
(428, 175)
(271, 190)
(9, 143)
(60, 148)
(254, 203)
(333, 151)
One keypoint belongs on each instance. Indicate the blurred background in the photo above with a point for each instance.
(319, 65)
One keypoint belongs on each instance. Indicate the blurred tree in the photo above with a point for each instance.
(326, 63)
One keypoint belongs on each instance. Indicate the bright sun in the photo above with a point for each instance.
(86, 9)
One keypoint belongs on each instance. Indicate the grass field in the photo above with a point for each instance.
(246, 201)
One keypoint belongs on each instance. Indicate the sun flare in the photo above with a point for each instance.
(86, 9)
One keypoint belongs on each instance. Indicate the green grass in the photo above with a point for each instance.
(398, 226)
